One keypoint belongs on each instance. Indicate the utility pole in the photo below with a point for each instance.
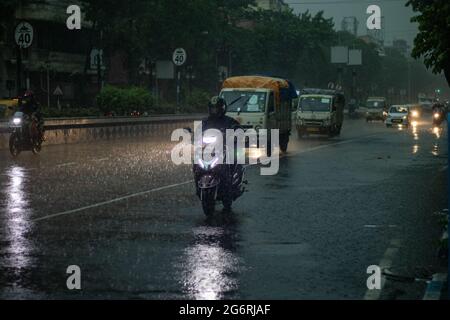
(19, 71)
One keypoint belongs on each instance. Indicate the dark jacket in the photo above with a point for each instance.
(29, 108)
(221, 123)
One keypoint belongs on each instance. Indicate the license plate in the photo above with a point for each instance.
(313, 129)
(396, 120)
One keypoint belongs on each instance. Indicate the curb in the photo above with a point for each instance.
(435, 287)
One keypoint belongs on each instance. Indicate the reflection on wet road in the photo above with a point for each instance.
(133, 224)
(210, 265)
(17, 248)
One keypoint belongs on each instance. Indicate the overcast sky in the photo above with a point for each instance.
(397, 16)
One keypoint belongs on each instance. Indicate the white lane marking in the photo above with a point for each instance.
(102, 159)
(96, 205)
(385, 262)
(142, 193)
(66, 164)
(373, 226)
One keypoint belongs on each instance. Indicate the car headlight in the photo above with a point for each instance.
(17, 121)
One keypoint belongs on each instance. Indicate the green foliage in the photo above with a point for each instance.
(222, 32)
(70, 112)
(197, 101)
(433, 41)
(123, 101)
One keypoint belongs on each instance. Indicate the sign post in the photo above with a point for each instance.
(354, 60)
(58, 93)
(23, 35)
(179, 58)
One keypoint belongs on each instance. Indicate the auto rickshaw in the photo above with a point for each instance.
(8, 107)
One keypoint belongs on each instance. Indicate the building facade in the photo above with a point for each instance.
(274, 5)
(57, 58)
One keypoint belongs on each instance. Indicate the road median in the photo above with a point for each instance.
(78, 130)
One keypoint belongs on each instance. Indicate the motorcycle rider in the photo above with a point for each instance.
(217, 119)
(439, 109)
(31, 108)
(217, 108)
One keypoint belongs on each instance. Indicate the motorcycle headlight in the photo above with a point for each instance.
(208, 164)
(17, 121)
(437, 116)
(201, 164)
(404, 117)
(415, 114)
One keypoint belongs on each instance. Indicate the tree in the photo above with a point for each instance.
(433, 41)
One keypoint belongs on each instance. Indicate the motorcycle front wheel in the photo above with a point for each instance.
(37, 148)
(14, 145)
(208, 201)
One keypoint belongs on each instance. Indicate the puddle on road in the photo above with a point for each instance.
(16, 225)
(435, 151)
(210, 266)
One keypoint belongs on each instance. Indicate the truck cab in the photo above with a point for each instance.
(376, 109)
(258, 102)
(320, 112)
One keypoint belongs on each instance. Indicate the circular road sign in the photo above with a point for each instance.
(179, 57)
(24, 35)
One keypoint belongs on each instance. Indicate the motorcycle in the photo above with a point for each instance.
(216, 180)
(25, 135)
(438, 118)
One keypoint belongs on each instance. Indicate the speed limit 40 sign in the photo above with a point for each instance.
(24, 35)
(179, 57)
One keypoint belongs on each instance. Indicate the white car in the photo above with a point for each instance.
(398, 115)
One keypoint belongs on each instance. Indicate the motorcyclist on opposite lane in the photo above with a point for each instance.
(31, 108)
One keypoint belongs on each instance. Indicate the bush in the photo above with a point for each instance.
(70, 112)
(197, 101)
(123, 101)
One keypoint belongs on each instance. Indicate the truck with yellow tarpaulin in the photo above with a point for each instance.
(261, 102)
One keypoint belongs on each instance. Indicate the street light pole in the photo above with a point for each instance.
(48, 84)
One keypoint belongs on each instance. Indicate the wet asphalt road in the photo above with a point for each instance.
(129, 219)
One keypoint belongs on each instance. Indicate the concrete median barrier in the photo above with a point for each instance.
(80, 130)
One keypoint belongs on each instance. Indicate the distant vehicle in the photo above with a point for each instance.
(426, 103)
(8, 107)
(352, 106)
(398, 115)
(415, 111)
(259, 102)
(439, 112)
(320, 111)
(376, 109)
